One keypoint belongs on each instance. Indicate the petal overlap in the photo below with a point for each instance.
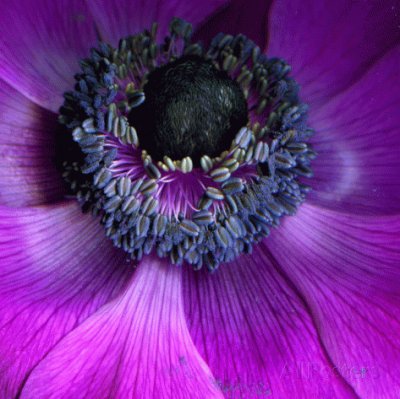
(256, 335)
(56, 268)
(43, 42)
(347, 270)
(137, 346)
(28, 174)
(120, 19)
(357, 140)
(239, 17)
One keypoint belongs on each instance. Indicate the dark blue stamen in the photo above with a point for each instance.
(273, 143)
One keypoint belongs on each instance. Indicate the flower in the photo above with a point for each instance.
(312, 312)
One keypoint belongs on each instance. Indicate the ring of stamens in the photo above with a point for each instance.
(244, 191)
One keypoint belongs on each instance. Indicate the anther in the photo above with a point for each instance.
(130, 140)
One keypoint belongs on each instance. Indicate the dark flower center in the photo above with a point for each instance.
(191, 109)
(190, 153)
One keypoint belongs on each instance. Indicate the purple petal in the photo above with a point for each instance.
(56, 269)
(126, 17)
(255, 333)
(358, 141)
(347, 270)
(137, 346)
(42, 42)
(240, 16)
(28, 175)
(331, 44)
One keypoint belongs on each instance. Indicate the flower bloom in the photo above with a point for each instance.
(311, 312)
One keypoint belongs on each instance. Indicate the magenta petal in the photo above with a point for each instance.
(137, 346)
(28, 175)
(256, 335)
(56, 268)
(358, 142)
(41, 44)
(347, 270)
(116, 19)
(330, 44)
(239, 17)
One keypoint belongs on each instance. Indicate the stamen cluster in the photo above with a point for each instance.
(199, 215)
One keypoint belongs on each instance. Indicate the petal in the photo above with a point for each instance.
(42, 42)
(255, 333)
(56, 268)
(357, 139)
(137, 346)
(28, 175)
(330, 44)
(126, 17)
(240, 16)
(347, 270)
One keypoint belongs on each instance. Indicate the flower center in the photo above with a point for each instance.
(191, 109)
(188, 153)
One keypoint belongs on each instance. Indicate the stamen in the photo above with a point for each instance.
(186, 165)
(206, 163)
(201, 207)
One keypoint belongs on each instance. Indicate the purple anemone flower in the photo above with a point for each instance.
(203, 265)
